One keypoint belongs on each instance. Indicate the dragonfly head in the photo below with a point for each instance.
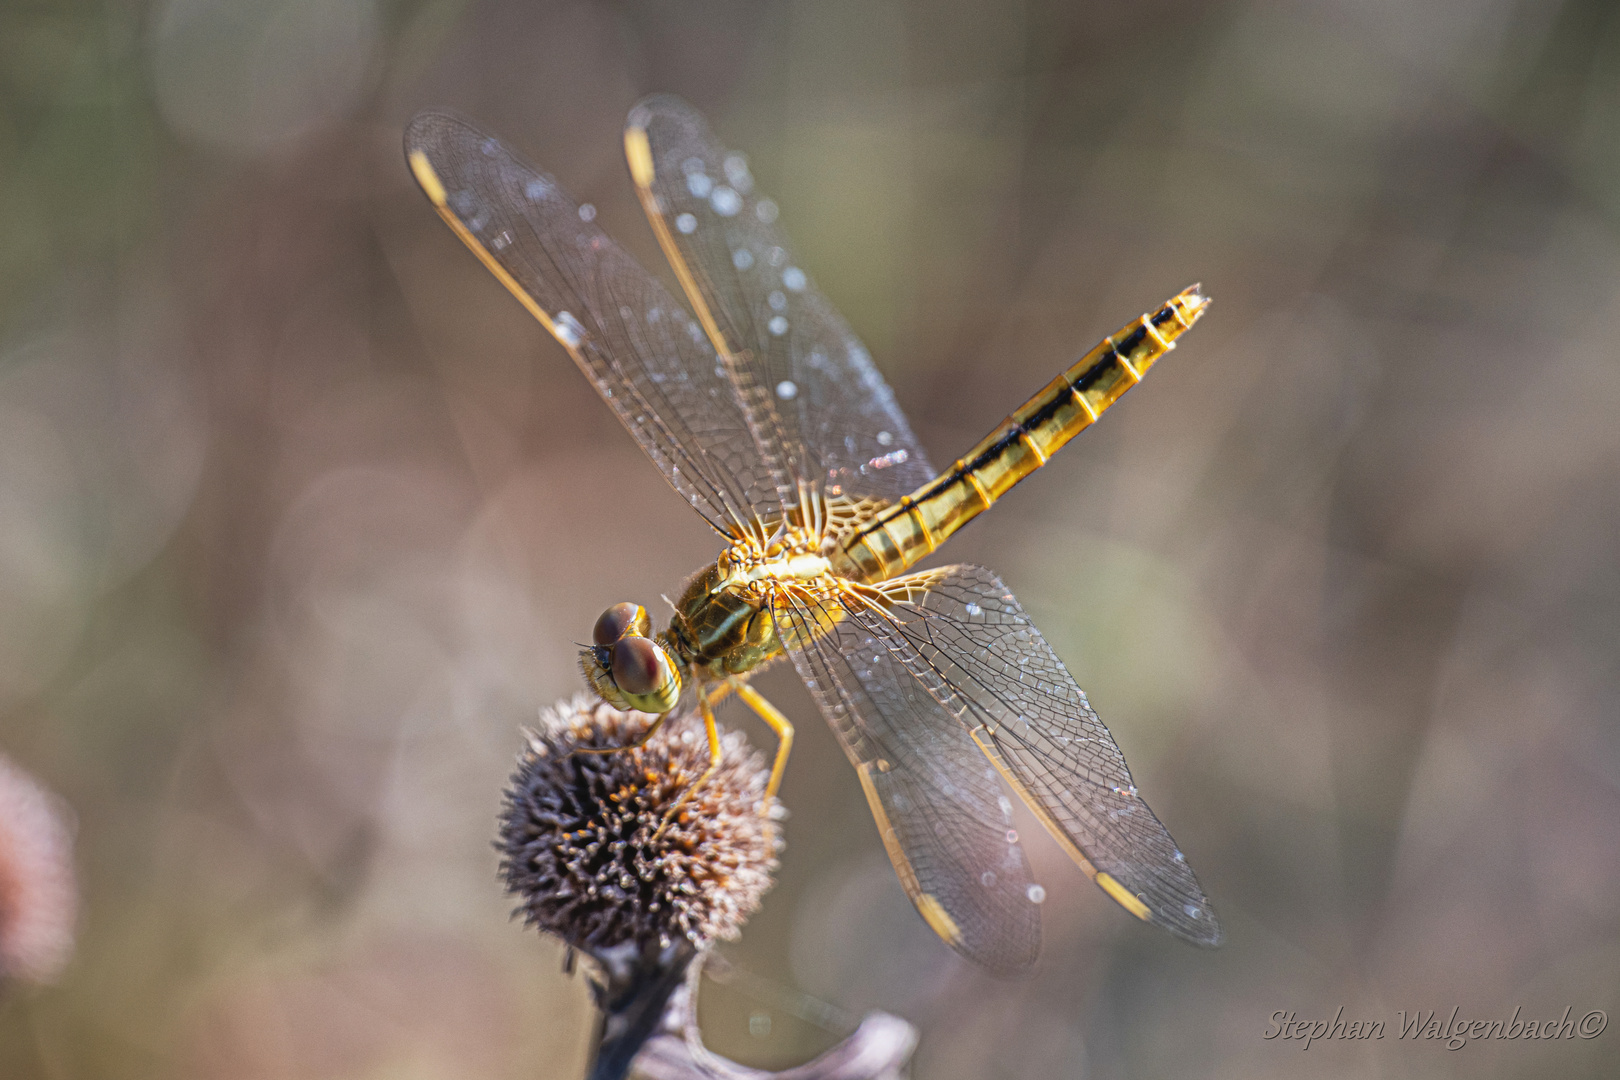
(626, 666)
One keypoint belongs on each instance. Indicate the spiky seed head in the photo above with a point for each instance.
(38, 901)
(580, 832)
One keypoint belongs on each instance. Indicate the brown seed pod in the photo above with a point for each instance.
(581, 840)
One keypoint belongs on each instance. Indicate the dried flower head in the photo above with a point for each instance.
(581, 840)
(38, 902)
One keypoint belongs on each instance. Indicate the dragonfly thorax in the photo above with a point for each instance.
(722, 626)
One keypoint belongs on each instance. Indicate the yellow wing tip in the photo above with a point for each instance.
(928, 906)
(935, 915)
(429, 180)
(638, 152)
(1123, 896)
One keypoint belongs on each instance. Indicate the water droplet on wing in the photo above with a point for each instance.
(569, 331)
(736, 166)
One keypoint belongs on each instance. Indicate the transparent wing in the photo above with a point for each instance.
(945, 822)
(639, 346)
(957, 638)
(820, 410)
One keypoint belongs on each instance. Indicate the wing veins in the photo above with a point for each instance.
(656, 377)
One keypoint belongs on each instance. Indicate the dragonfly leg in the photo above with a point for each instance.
(641, 740)
(715, 696)
(718, 694)
(784, 735)
(714, 761)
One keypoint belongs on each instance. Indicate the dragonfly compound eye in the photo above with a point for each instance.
(619, 620)
(637, 665)
(644, 676)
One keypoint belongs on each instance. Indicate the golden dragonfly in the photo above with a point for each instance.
(767, 415)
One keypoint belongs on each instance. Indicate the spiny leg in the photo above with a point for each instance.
(784, 735)
(714, 762)
(635, 744)
(718, 694)
(715, 696)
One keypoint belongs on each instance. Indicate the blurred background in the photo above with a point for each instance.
(300, 513)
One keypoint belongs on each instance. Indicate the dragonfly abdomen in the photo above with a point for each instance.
(912, 528)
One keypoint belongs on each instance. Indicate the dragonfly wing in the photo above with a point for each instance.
(945, 822)
(958, 637)
(638, 345)
(822, 413)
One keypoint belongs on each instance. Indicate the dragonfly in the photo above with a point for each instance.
(768, 416)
